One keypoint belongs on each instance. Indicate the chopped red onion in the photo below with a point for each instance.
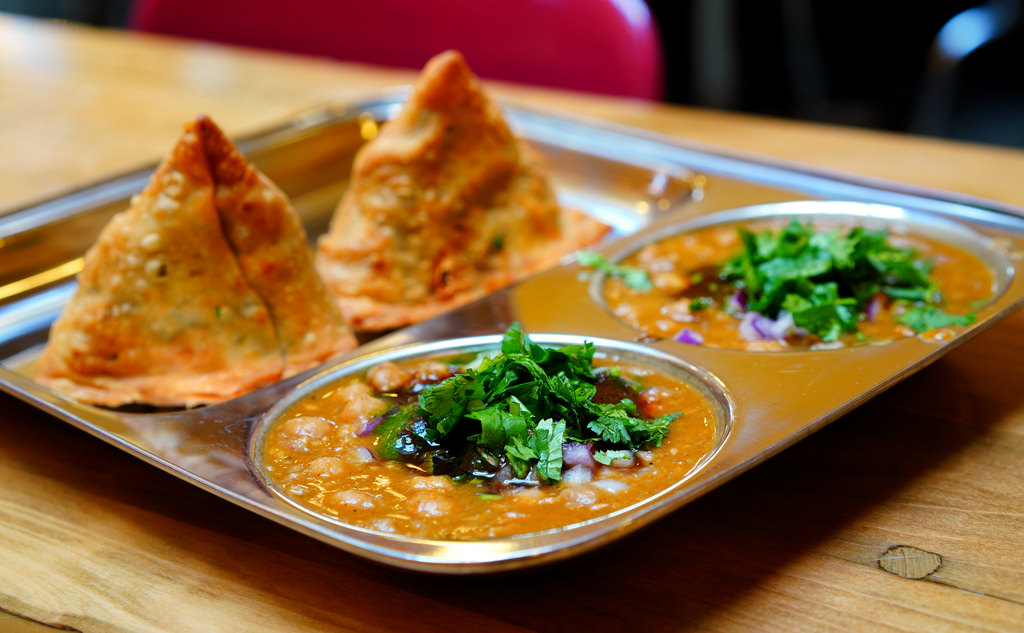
(737, 302)
(506, 478)
(874, 307)
(577, 475)
(361, 455)
(611, 485)
(574, 454)
(690, 337)
(756, 327)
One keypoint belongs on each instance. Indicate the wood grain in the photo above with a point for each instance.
(94, 540)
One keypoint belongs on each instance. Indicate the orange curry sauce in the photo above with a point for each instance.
(320, 454)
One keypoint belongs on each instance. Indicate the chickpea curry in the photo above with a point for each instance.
(764, 288)
(532, 439)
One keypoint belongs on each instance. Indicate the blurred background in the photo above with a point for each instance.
(945, 68)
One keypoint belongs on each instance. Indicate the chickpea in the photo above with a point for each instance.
(678, 311)
(670, 282)
(438, 483)
(658, 401)
(431, 505)
(582, 495)
(307, 425)
(344, 499)
(388, 377)
(527, 496)
(431, 372)
(360, 410)
(353, 390)
(326, 467)
(359, 455)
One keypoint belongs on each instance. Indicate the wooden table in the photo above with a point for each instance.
(93, 540)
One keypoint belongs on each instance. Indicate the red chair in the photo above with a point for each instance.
(604, 46)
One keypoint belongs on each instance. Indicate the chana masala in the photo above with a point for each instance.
(473, 447)
(764, 287)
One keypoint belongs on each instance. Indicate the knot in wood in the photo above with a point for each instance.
(909, 562)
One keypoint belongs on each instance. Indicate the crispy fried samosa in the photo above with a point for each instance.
(186, 297)
(444, 206)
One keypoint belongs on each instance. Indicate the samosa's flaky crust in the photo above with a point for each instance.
(444, 206)
(166, 312)
(271, 246)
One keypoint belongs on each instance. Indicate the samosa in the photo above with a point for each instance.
(444, 205)
(202, 290)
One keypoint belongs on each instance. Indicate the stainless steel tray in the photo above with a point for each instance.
(644, 184)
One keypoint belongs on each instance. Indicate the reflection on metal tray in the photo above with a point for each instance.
(643, 184)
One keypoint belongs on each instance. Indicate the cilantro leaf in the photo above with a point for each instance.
(549, 458)
(446, 404)
(701, 303)
(635, 278)
(924, 318)
(499, 423)
(658, 428)
(607, 457)
(521, 454)
(612, 426)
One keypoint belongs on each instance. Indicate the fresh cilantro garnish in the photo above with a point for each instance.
(549, 434)
(635, 278)
(516, 410)
(924, 318)
(826, 279)
(607, 457)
